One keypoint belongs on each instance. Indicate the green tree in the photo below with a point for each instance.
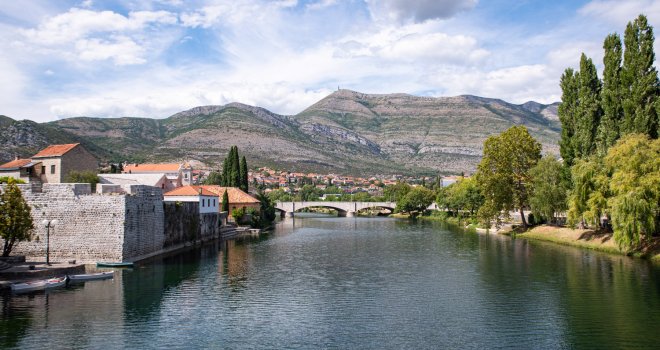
(362, 197)
(461, 196)
(416, 201)
(83, 177)
(588, 198)
(225, 201)
(503, 173)
(640, 80)
(280, 195)
(243, 175)
(396, 191)
(567, 114)
(266, 211)
(309, 193)
(15, 218)
(588, 111)
(634, 163)
(549, 188)
(611, 94)
(214, 178)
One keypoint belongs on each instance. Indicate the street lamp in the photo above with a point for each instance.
(48, 224)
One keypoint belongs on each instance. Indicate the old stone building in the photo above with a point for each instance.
(52, 164)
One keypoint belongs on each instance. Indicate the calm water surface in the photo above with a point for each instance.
(321, 282)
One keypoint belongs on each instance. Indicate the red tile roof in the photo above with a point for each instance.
(190, 191)
(152, 168)
(236, 195)
(55, 150)
(17, 163)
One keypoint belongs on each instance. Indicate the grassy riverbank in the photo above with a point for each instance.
(581, 238)
(589, 239)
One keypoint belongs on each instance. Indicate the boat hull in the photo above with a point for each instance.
(91, 277)
(114, 264)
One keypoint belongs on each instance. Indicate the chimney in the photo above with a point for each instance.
(16, 157)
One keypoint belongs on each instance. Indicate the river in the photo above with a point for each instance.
(361, 283)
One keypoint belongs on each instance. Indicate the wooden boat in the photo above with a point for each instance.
(91, 276)
(38, 285)
(114, 264)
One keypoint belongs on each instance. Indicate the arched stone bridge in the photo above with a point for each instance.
(348, 209)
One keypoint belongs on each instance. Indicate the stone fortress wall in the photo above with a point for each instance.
(126, 223)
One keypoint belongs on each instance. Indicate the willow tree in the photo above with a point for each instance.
(634, 163)
(15, 217)
(587, 201)
(503, 173)
(549, 189)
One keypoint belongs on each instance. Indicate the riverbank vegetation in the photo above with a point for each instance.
(607, 182)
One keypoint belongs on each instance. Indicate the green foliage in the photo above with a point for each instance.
(503, 173)
(549, 188)
(640, 80)
(6, 179)
(634, 163)
(309, 193)
(415, 201)
(280, 195)
(588, 199)
(15, 217)
(225, 201)
(611, 94)
(362, 197)
(567, 112)
(461, 196)
(396, 191)
(214, 178)
(243, 171)
(238, 214)
(89, 177)
(266, 212)
(588, 111)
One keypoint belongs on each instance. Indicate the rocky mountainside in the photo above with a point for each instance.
(348, 132)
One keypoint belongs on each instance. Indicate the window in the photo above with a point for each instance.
(52, 169)
(43, 169)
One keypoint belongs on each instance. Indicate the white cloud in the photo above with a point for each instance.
(619, 12)
(419, 10)
(122, 50)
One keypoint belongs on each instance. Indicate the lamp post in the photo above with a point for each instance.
(48, 224)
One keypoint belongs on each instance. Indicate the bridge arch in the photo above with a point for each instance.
(343, 208)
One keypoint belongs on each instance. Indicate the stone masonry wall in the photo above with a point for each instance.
(144, 220)
(90, 227)
(183, 223)
(125, 226)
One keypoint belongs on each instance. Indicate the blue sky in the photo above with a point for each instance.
(154, 58)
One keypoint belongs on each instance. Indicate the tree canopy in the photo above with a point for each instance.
(15, 217)
(503, 173)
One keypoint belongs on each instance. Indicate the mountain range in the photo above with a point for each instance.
(346, 132)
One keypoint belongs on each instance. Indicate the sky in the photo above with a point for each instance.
(153, 58)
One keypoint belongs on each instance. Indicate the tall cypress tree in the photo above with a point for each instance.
(235, 168)
(244, 175)
(611, 95)
(640, 80)
(567, 111)
(225, 201)
(588, 110)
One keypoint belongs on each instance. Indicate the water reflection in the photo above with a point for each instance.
(368, 283)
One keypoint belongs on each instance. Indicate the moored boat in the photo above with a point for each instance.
(56, 282)
(28, 286)
(91, 276)
(114, 264)
(32, 286)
